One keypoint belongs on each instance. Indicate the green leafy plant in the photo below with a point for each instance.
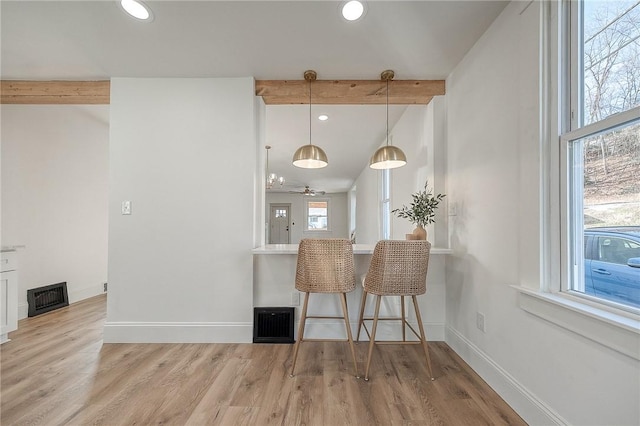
(422, 209)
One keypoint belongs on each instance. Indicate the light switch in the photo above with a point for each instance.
(126, 207)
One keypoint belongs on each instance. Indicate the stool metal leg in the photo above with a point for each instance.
(372, 342)
(363, 301)
(303, 319)
(343, 299)
(423, 337)
(404, 320)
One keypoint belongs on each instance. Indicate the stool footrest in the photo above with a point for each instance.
(388, 318)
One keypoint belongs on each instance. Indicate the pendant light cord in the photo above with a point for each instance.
(387, 112)
(309, 111)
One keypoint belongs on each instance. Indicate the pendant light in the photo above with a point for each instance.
(272, 178)
(310, 156)
(387, 157)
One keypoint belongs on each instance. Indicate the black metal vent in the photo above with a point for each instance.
(273, 325)
(47, 298)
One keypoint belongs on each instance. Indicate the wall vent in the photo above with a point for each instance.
(47, 298)
(273, 325)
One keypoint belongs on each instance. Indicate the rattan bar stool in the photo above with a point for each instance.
(325, 266)
(398, 268)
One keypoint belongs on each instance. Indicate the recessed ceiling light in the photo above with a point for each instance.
(352, 10)
(137, 9)
(323, 117)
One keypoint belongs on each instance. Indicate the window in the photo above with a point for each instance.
(317, 215)
(601, 154)
(385, 205)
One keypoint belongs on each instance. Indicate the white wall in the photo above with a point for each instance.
(54, 196)
(338, 216)
(367, 226)
(185, 251)
(548, 374)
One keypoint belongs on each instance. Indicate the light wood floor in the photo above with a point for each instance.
(56, 370)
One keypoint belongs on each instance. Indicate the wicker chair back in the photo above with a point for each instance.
(398, 268)
(325, 266)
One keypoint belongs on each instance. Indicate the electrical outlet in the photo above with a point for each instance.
(105, 287)
(126, 207)
(480, 322)
(295, 298)
(453, 208)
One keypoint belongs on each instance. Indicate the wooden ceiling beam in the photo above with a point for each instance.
(274, 92)
(349, 92)
(55, 92)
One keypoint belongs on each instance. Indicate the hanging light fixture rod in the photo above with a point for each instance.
(271, 178)
(388, 156)
(310, 156)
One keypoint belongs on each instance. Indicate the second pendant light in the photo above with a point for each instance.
(388, 156)
(310, 156)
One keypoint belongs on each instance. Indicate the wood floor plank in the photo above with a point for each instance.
(306, 402)
(211, 408)
(57, 371)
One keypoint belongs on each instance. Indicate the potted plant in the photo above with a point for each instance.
(421, 211)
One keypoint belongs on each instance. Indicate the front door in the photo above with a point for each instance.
(279, 224)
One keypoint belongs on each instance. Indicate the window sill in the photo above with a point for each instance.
(614, 331)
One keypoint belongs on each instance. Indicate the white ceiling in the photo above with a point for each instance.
(89, 40)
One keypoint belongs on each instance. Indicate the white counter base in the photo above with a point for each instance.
(274, 268)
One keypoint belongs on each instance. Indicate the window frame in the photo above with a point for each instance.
(385, 204)
(571, 248)
(613, 328)
(571, 162)
(306, 202)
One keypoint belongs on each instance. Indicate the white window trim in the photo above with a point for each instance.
(306, 215)
(615, 329)
(385, 204)
(617, 332)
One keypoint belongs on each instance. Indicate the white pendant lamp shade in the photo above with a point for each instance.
(310, 156)
(388, 156)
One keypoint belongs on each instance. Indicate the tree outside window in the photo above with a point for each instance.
(603, 146)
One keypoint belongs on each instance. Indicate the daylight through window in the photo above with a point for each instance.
(317, 215)
(603, 154)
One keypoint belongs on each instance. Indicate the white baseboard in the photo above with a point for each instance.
(23, 310)
(221, 332)
(85, 293)
(323, 329)
(74, 296)
(533, 410)
(183, 332)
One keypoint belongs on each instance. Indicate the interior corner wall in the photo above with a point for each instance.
(259, 234)
(548, 374)
(183, 152)
(54, 196)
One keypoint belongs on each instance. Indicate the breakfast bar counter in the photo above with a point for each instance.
(274, 271)
(357, 249)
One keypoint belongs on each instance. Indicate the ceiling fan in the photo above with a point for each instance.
(308, 191)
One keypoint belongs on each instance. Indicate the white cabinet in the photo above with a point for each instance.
(8, 294)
